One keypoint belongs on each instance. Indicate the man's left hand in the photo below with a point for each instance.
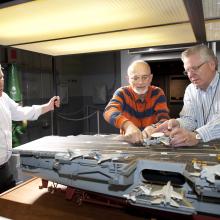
(181, 137)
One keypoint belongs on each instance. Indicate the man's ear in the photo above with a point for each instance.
(127, 78)
(151, 77)
(212, 64)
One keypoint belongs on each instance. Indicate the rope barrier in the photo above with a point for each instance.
(97, 112)
(72, 113)
(76, 119)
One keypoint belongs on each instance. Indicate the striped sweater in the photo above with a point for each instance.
(126, 105)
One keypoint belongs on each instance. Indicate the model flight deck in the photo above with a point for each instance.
(183, 180)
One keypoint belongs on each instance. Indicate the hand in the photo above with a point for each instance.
(181, 137)
(132, 133)
(55, 101)
(167, 126)
(148, 131)
(172, 123)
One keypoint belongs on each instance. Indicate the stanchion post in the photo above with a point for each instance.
(98, 128)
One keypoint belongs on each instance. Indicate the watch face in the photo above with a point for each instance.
(198, 137)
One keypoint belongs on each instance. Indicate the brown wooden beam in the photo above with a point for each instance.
(196, 16)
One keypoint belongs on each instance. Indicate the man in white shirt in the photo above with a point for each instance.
(10, 110)
(200, 117)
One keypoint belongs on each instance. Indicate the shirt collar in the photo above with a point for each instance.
(137, 97)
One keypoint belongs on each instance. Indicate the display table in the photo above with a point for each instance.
(28, 202)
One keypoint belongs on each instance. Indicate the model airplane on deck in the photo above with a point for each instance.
(166, 196)
(137, 191)
(210, 172)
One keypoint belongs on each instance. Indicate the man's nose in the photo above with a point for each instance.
(191, 73)
(140, 79)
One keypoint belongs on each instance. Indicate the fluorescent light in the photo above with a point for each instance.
(91, 25)
(165, 35)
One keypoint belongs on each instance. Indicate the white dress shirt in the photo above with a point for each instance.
(10, 110)
(201, 110)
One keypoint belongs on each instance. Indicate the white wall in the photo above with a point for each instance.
(126, 60)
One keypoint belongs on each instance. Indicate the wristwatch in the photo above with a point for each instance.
(198, 137)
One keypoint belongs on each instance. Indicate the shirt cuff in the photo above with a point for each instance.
(120, 122)
(204, 133)
(37, 111)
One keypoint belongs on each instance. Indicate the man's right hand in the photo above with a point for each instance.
(167, 126)
(132, 133)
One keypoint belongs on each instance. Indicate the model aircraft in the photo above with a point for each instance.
(100, 158)
(209, 172)
(70, 155)
(157, 138)
(145, 190)
(166, 196)
(137, 191)
(130, 196)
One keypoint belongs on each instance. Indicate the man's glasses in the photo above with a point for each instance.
(143, 78)
(193, 69)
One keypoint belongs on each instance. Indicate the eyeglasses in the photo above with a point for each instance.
(143, 78)
(193, 69)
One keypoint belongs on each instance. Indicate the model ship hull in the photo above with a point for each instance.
(106, 166)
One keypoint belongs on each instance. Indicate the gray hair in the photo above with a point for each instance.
(205, 53)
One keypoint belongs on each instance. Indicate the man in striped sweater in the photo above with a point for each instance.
(138, 108)
(200, 117)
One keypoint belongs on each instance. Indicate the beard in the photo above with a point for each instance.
(140, 91)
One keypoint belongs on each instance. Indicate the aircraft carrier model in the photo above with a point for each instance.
(184, 180)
